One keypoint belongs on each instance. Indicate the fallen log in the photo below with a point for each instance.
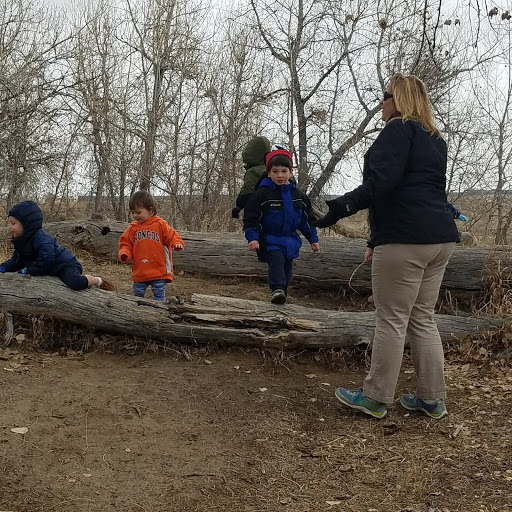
(206, 319)
(338, 264)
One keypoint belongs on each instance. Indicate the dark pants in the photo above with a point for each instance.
(71, 276)
(280, 270)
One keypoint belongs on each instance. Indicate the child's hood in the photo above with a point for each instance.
(255, 150)
(29, 214)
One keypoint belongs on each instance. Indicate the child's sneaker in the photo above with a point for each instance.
(357, 400)
(107, 285)
(278, 297)
(433, 408)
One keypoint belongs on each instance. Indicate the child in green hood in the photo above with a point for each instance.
(253, 156)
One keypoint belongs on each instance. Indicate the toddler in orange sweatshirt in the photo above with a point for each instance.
(148, 243)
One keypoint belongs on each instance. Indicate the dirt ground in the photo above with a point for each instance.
(235, 430)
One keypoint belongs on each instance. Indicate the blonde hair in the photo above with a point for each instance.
(412, 101)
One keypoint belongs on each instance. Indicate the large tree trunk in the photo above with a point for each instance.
(207, 318)
(225, 254)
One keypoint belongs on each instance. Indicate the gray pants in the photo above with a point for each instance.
(406, 279)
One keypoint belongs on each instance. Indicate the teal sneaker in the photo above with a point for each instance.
(433, 408)
(356, 400)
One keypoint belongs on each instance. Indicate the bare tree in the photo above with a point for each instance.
(299, 35)
(30, 82)
(338, 58)
(163, 39)
(380, 43)
(492, 91)
(236, 93)
(154, 94)
(95, 64)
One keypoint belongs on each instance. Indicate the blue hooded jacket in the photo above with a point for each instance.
(35, 249)
(273, 215)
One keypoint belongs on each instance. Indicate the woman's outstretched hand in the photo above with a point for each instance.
(331, 217)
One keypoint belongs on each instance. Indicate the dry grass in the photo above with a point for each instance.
(481, 212)
(5, 249)
(498, 286)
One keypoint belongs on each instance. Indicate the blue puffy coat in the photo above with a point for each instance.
(35, 249)
(274, 213)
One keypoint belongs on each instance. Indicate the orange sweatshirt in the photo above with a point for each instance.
(150, 246)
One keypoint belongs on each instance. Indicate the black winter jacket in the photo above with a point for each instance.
(35, 249)
(404, 180)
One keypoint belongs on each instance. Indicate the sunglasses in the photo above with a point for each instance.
(387, 96)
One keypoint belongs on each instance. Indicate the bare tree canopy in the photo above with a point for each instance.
(162, 95)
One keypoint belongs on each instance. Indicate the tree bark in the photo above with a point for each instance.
(207, 318)
(338, 264)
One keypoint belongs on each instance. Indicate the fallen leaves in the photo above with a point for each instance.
(389, 428)
(457, 431)
(19, 430)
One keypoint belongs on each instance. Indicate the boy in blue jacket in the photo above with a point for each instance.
(273, 214)
(39, 254)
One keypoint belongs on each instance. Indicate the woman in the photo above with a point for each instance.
(412, 236)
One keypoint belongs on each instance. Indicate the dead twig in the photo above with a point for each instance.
(137, 505)
(9, 327)
(105, 461)
(86, 430)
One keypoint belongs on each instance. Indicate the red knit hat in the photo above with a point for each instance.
(274, 153)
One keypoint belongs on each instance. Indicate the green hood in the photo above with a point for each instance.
(254, 151)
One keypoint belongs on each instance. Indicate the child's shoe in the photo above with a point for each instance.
(435, 409)
(105, 284)
(356, 400)
(278, 297)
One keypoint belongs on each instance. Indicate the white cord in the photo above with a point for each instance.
(355, 270)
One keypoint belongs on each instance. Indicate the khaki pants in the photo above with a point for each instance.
(406, 279)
